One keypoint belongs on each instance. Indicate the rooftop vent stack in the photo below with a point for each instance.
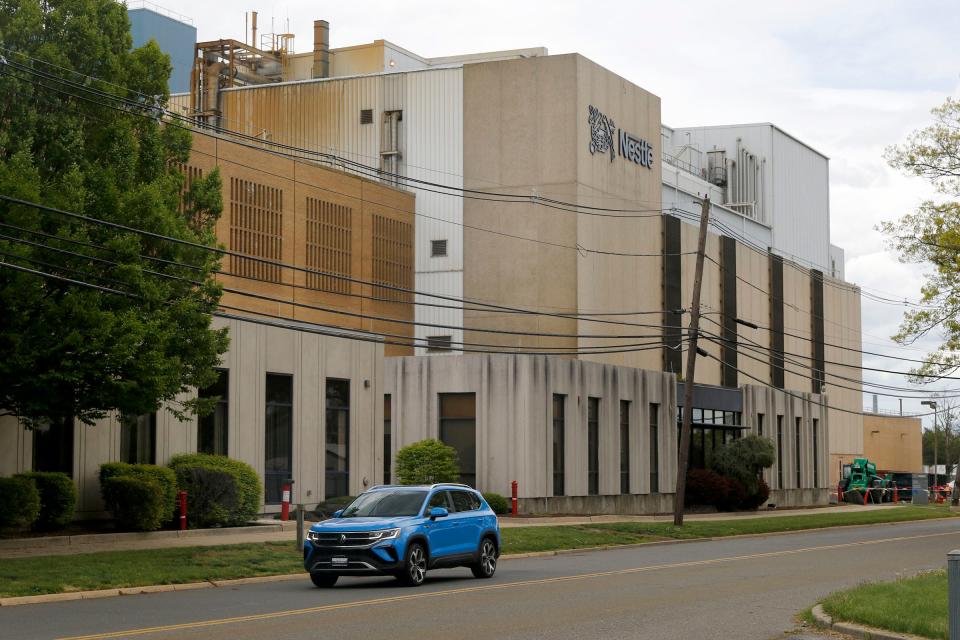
(321, 49)
(875, 403)
(253, 29)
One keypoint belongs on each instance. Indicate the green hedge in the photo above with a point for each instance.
(249, 490)
(19, 503)
(137, 502)
(497, 502)
(58, 498)
(212, 496)
(165, 478)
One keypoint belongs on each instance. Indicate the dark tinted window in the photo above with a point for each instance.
(464, 501)
(458, 429)
(385, 503)
(212, 428)
(278, 441)
(439, 499)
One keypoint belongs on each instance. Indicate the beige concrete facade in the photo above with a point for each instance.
(514, 415)
(255, 350)
(893, 443)
(526, 131)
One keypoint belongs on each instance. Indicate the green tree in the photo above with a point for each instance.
(68, 350)
(426, 462)
(931, 235)
(744, 459)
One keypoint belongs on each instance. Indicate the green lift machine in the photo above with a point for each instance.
(862, 484)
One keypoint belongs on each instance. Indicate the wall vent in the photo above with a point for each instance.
(439, 343)
(438, 248)
(366, 116)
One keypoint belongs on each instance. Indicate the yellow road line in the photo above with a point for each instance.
(491, 587)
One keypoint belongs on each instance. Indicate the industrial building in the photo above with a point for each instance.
(536, 129)
(549, 187)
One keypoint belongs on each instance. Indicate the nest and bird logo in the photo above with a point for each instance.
(601, 132)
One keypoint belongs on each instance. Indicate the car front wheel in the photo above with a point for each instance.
(323, 579)
(415, 567)
(487, 561)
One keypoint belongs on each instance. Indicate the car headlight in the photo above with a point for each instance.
(386, 534)
(313, 536)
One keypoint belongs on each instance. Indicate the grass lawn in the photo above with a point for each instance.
(113, 569)
(913, 605)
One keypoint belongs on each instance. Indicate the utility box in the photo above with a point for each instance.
(919, 494)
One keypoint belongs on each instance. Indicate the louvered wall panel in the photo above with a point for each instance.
(329, 245)
(256, 229)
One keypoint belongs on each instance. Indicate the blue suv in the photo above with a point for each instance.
(403, 531)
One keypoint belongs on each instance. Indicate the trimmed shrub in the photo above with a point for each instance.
(58, 499)
(165, 478)
(19, 503)
(136, 502)
(759, 498)
(497, 502)
(709, 488)
(744, 459)
(212, 495)
(427, 462)
(249, 490)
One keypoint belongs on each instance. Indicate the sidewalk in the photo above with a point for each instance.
(275, 531)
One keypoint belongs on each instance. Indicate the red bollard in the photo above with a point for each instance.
(513, 498)
(182, 498)
(285, 503)
(896, 496)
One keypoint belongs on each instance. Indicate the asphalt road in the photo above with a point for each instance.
(741, 588)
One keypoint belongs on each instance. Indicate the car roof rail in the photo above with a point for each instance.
(450, 484)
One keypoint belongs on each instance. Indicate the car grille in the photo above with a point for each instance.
(343, 539)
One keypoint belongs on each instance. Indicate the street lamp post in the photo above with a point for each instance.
(933, 405)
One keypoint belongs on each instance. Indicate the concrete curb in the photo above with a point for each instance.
(856, 630)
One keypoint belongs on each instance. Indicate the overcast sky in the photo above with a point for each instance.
(849, 78)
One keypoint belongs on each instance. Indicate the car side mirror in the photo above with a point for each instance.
(337, 513)
(438, 512)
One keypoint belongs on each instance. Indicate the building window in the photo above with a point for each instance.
(438, 248)
(458, 429)
(779, 452)
(256, 229)
(366, 116)
(816, 454)
(593, 446)
(212, 428)
(278, 449)
(329, 245)
(392, 259)
(654, 448)
(796, 450)
(387, 433)
(559, 429)
(624, 446)
(439, 343)
(53, 446)
(138, 439)
(338, 439)
(391, 146)
(760, 424)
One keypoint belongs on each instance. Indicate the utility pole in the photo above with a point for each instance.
(683, 459)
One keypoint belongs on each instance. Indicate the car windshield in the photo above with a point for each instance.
(385, 504)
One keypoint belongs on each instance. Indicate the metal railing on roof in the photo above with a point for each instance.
(145, 4)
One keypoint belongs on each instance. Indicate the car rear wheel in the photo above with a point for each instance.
(486, 564)
(415, 566)
(323, 579)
